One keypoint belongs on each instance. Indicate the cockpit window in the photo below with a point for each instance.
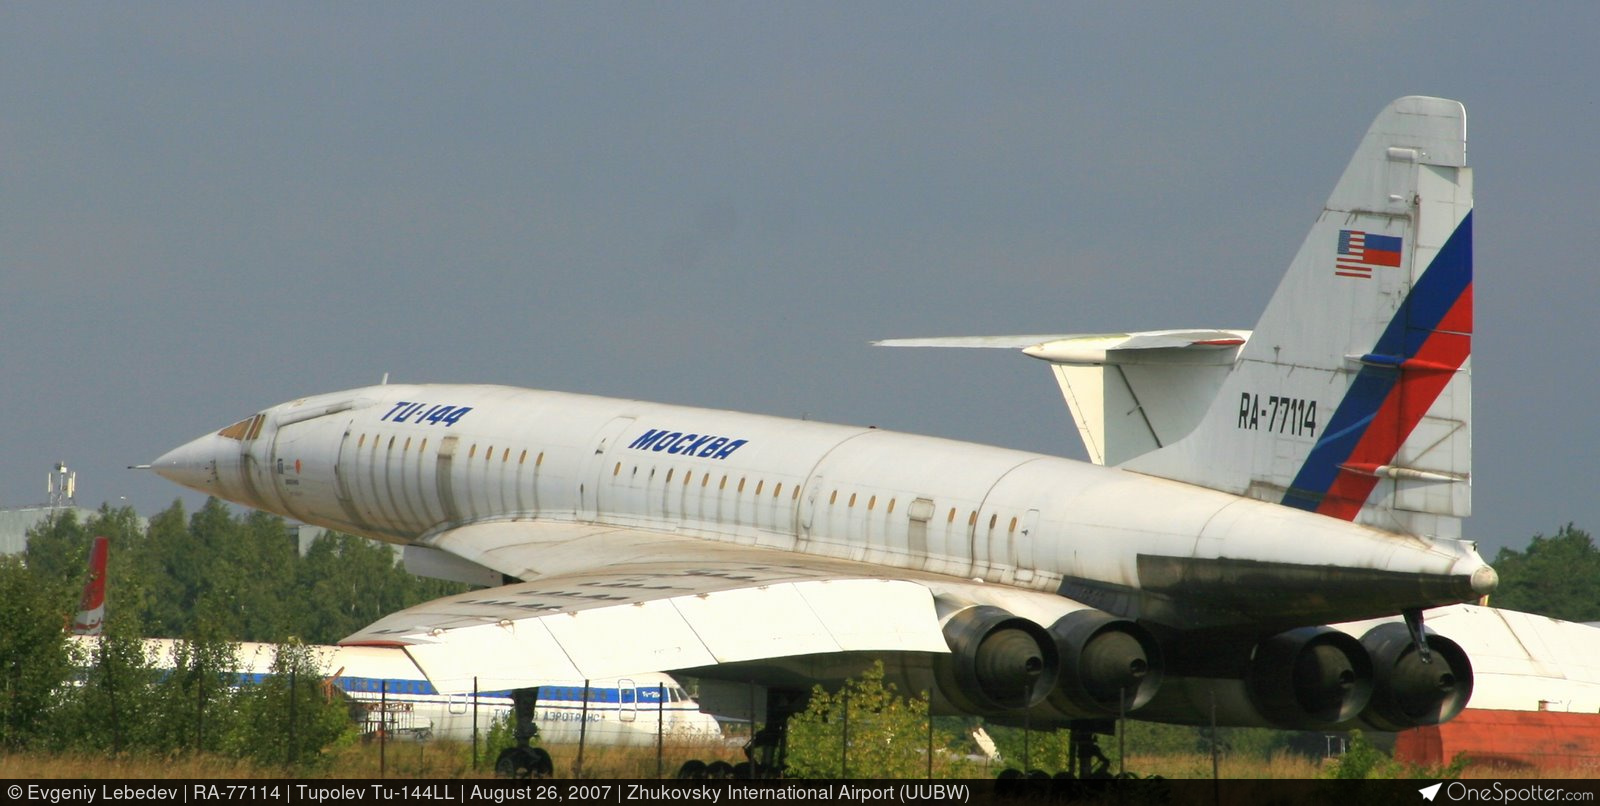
(244, 430)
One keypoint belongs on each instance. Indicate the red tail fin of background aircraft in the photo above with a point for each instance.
(92, 606)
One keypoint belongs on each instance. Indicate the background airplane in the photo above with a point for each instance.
(1322, 481)
(394, 696)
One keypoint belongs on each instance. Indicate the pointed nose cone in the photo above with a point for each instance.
(193, 464)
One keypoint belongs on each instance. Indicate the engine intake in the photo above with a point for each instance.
(1310, 678)
(1108, 664)
(999, 661)
(1408, 692)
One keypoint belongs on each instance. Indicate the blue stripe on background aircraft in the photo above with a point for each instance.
(1249, 491)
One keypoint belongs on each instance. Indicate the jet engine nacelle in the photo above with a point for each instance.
(1309, 678)
(1109, 665)
(999, 661)
(1409, 692)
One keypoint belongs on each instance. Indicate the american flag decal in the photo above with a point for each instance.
(1360, 251)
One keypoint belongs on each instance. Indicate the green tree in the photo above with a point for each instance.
(887, 733)
(112, 707)
(166, 568)
(58, 547)
(127, 596)
(290, 718)
(1555, 576)
(345, 583)
(194, 701)
(34, 658)
(266, 552)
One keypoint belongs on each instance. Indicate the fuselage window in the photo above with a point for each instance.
(759, 485)
(423, 448)
(972, 520)
(796, 495)
(723, 485)
(362, 442)
(1013, 524)
(615, 471)
(741, 484)
(993, 519)
(891, 506)
(952, 518)
(391, 443)
(669, 474)
(852, 499)
(505, 457)
(539, 461)
(777, 488)
(472, 451)
(488, 455)
(406, 448)
(523, 458)
(872, 502)
(832, 498)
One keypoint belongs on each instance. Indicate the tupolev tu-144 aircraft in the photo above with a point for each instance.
(1249, 491)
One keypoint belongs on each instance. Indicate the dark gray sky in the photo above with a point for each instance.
(209, 208)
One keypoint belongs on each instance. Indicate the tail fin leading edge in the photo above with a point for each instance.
(1352, 396)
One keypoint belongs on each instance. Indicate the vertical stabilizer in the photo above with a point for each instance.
(1352, 397)
(91, 616)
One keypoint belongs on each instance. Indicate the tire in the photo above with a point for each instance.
(514, 762)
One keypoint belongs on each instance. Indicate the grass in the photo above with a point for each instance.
(446, 760)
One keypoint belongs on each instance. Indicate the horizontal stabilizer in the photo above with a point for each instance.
(1129, 393)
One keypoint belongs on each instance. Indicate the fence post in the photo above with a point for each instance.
(474, 722)
(199, 706)
(661, 722)
(294, 744)
(583, 727)
(844, 743)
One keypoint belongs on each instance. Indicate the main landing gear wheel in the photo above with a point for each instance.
(523, 762)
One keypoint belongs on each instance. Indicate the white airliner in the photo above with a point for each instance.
(395, 696)
(1249, 490)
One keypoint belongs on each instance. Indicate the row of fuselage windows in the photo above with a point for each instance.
(870, 503)
(472, 451)
(688, 478)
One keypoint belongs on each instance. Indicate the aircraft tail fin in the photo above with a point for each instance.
(1352, 397)
(91, 616)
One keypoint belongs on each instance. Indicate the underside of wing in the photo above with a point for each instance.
(599, 603)
(654, 618)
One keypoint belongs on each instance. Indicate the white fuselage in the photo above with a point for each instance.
(403, 462)
(394, 695)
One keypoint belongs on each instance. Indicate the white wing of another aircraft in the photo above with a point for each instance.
(1255, 487)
